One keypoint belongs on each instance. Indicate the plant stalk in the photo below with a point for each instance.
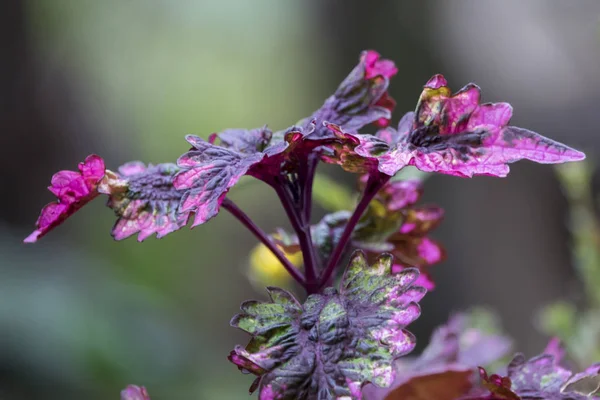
(375, 182)
(296, 215)
(264, 238)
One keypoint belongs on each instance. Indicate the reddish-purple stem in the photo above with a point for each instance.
(307, 185)
(302, 229)
(375, 182)
(264, 238)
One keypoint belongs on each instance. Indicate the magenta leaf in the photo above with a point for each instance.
(394, 223)
(356, 153)
(142, 197)
(456, 135)
(144, 200)
(133, 392)
(451, 134)
(335, 342)
(73, 190)
(361, 98)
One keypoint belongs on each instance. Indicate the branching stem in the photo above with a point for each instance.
(297, 218)
(375, 182)
(264, 238)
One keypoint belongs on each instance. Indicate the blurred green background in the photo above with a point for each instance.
(81, 316)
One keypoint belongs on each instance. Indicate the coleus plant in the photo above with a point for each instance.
(345, 340)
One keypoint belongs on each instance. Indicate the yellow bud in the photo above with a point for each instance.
(266, 270)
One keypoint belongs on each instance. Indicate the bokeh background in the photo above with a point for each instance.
(81, 315)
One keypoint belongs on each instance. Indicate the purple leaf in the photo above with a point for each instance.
(73, 190)
(133, 392)
(454, 349)
(335, 342)
(413, 248)
(586, 382)
(451, 134)
(245, 141)
(480, 338)
(361, 98)
(541, 377)
(144, 200)
(210, 170)
(208, 173)
(456, 135)
(142, 197)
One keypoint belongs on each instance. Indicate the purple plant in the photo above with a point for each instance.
(343, 343)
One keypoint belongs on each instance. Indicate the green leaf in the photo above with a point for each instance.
(337, 341)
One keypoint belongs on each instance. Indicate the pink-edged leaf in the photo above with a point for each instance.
(437, 81)
(388, 103)
(374, 66)
(556, 349)
(424, 279)
(419, 221)
(208, 172)
(392, 219)
(452, 134)
(455, 134)
(144, 200)
(132, 392)
(398, 195)
(416, 251)
(344, 150)
(361, 98)
(73, 190)
(541, 377)
(244, 364)
(334, 343)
